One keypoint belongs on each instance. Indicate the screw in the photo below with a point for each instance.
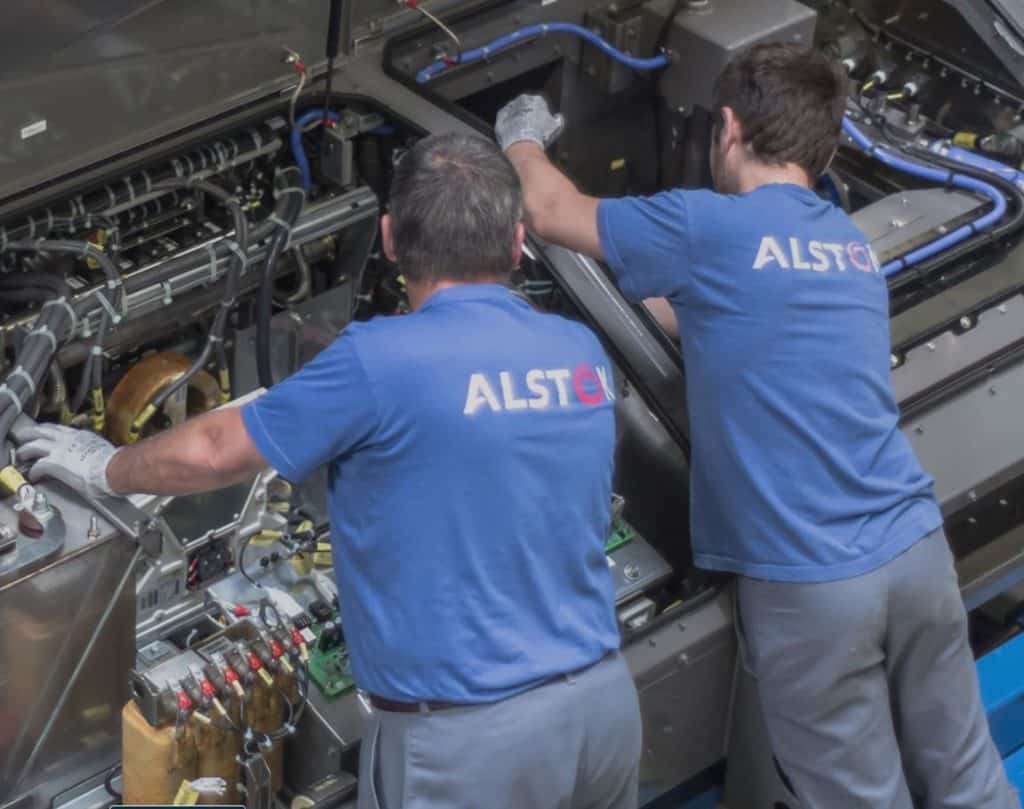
(1002, 308)
(894, 361)
(931, 346)
(40, 503)
(631, 572)
(966, 322)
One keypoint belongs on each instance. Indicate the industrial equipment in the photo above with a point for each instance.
(189, 213)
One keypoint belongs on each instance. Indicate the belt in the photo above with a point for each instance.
(429, 706)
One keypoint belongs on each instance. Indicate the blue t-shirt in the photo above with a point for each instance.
(470, 447)
(799, 469)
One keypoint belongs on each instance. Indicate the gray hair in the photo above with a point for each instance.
(455, 204)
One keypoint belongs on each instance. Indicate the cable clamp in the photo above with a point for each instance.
(149, 182)
(131, 189)
(213, 261)
(234, 247)
(3, 238)
(31, 226)
(191, 165)
(287, 228)
(6, 391)
(80, 202)
(45, 331)
(30, 383)
(179, 171)
(290, 189)
(63, 301)
(49, 220)
(111, 196)
(257, 139)
(115, 318)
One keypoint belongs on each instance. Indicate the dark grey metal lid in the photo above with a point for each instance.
(84, 80)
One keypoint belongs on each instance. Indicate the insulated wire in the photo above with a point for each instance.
(541, 29)
(935, 246)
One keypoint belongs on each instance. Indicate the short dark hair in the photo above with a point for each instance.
(789, 101)
(455, 204)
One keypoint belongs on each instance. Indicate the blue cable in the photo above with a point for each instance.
(502, 42)
(938, 176)
(968, 158)
(295, 137)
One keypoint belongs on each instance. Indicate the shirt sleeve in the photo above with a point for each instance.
(321, 413)
(645, 241)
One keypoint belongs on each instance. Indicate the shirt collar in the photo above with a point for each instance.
(471, 293)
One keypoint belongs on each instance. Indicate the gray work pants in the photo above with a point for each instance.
(869, 689)
(573, 743)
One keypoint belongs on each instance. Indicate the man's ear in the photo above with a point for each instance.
(517, 245)
(731, 130)
(387, 238)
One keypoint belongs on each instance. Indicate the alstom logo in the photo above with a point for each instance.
(538, 389)
(794, 254)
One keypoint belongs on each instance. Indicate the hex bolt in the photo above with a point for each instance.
(966, 322)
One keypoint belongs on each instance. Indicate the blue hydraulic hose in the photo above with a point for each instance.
(477, 54)
(968, 158)
(934, 175)
(295, 136)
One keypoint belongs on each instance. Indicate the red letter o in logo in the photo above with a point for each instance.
(580, 379)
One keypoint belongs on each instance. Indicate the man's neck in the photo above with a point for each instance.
(756, 175)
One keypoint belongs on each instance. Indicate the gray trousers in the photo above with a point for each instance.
(573, 743)
(869, 689)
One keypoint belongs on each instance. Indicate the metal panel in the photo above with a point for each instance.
(973, 443)
(705, 37)
(683, 672)
(61, 700)
(931, 365)
(896, 224)
(98, 78)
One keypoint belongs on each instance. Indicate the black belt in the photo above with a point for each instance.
(429, 706)
(393, 706)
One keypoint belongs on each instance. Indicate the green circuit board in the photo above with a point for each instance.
(622, 533)
(330, 670)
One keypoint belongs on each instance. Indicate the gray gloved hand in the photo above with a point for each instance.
(527, 118)
(76, 457)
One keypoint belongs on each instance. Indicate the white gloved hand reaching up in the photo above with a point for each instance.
(78, 458)
(527, 118)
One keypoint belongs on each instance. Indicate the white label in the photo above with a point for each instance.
(307, 635)
(38, 128)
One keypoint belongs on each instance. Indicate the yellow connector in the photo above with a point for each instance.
(141, 421)
(11, 479)
(99, 410)
(225, 386)
(966, 140)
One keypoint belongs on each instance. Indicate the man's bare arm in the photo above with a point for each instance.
(211, 451)
(555, 210)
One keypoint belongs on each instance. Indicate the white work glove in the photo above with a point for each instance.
(527, 118)
(76, 457)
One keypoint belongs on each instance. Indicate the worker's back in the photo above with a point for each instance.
(479, 474)
(799, 469)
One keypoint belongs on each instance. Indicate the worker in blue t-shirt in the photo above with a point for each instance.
(470, 447)
(802, 482)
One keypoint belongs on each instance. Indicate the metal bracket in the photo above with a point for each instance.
(259, 792)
